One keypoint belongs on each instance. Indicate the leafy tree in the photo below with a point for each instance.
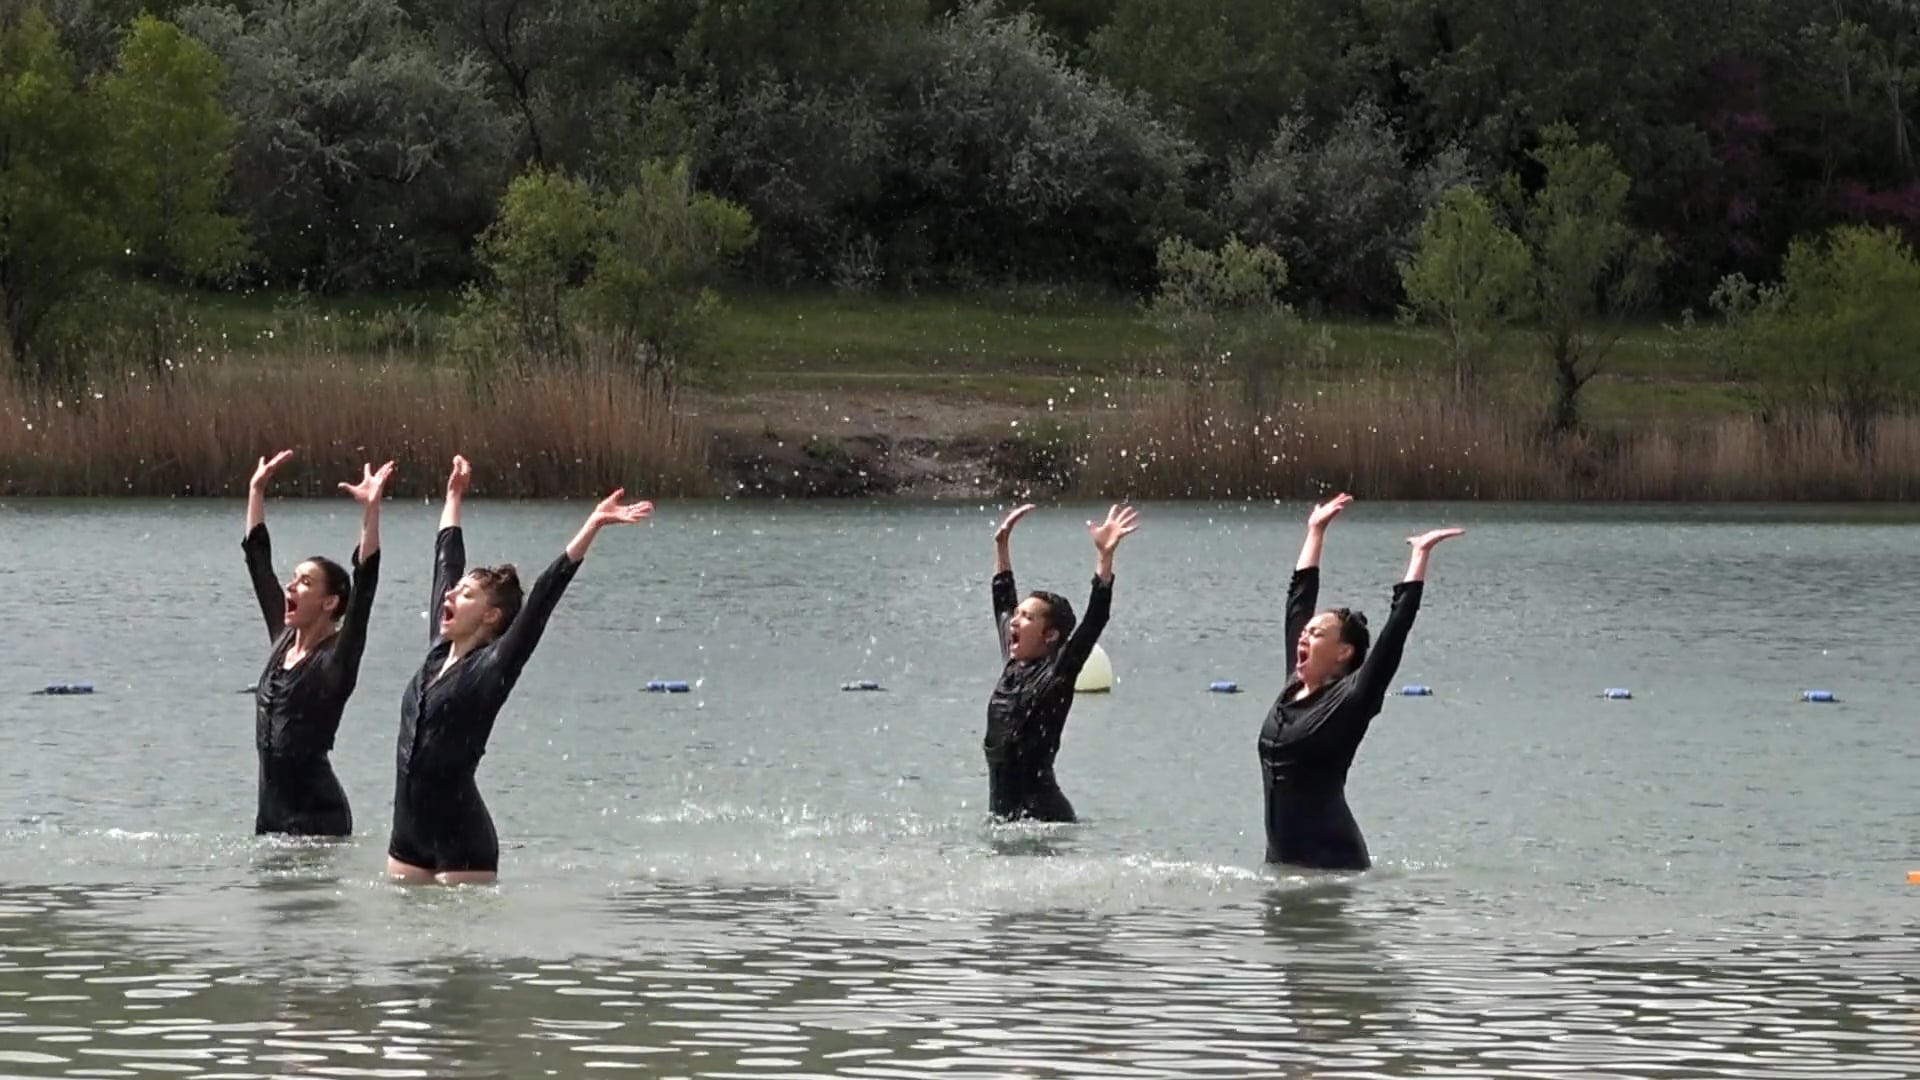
(1834, 335)
(122, 176)
(54, 228)
(1223, 310)
(170, 156)
(364, 158)
(630, 270)
(1590, 268)
(1469, 276)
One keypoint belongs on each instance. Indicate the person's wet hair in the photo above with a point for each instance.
(335, 579)
(1059, 615)
(502, 586)
(1354, 632)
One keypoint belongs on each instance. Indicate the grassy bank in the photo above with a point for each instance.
(1069, 389)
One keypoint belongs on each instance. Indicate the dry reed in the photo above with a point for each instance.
(553, 433)
(1414, 442)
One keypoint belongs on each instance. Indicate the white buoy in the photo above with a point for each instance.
(1097, 676)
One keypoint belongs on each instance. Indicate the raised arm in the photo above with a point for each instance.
(1303, 591)
(516, 645)
(1383, 660)
(352, 643)
(368, 493)
(258, 547)
(1121, 522)
(1005, 596)
(449, 545)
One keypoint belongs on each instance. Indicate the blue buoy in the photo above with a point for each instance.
(1416, 691)
(1223, 687)
(1817, 695)
(861, 684)
(67, 688)
(666, 686)
(1617, 693)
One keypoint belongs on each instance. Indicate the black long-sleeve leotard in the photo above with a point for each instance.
(440, 822)
(1028, 711)
(1307, 746)
(297, 709)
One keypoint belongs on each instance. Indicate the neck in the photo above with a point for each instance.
(464, 645)
(306, 637)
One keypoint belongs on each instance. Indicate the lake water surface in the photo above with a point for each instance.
(770, 877)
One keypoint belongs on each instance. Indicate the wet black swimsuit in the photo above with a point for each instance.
(297, 709)
(1307, 746)
(439, 821)
(1028, 711)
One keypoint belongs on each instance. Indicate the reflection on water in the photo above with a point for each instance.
(1323, 978)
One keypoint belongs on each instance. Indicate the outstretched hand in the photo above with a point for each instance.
(372, 484)
(1121, 522)
(1327, 511)
(610, 512)
(459, 478)
(263, 471)
(1013, 517)
(1426, 540)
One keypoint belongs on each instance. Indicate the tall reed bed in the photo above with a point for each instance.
(1402, 441)
(551, 433)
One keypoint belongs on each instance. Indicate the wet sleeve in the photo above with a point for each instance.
(266, 586)
(1005, 599)
(1086, 632)
(347, 651)
(1303, 595)
(512, 651)
(449, 566)
(1383, 660)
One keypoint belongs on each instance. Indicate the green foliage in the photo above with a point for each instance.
(170, 159)
(53, 231)
(660, 252)
(1590, 270)
(629, 273)
(365, 157)
(1835, 335)
(1223, 310)
(537, 253)
(1229, 70)
(976, 143)
(1345, 210)
(122, 175)
(1469, 277)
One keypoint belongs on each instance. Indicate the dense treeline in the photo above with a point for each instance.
(590, 169)
(940, 143)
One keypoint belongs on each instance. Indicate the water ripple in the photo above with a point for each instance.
(1326, 981)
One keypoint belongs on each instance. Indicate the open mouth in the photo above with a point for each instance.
(446, 613)
(291, 607)
(1300, 655)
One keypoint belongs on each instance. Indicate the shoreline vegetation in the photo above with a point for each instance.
(992, 248)
(989, 395)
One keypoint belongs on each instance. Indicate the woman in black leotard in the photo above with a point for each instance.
(480, 642)
(318, 625)
(1337, 687)
(1045, 651)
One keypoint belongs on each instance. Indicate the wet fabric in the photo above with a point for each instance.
(1307, 746)
(297, 709)
(1027, 711)
(440, 822)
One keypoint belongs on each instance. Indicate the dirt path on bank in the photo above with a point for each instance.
(866, 442)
